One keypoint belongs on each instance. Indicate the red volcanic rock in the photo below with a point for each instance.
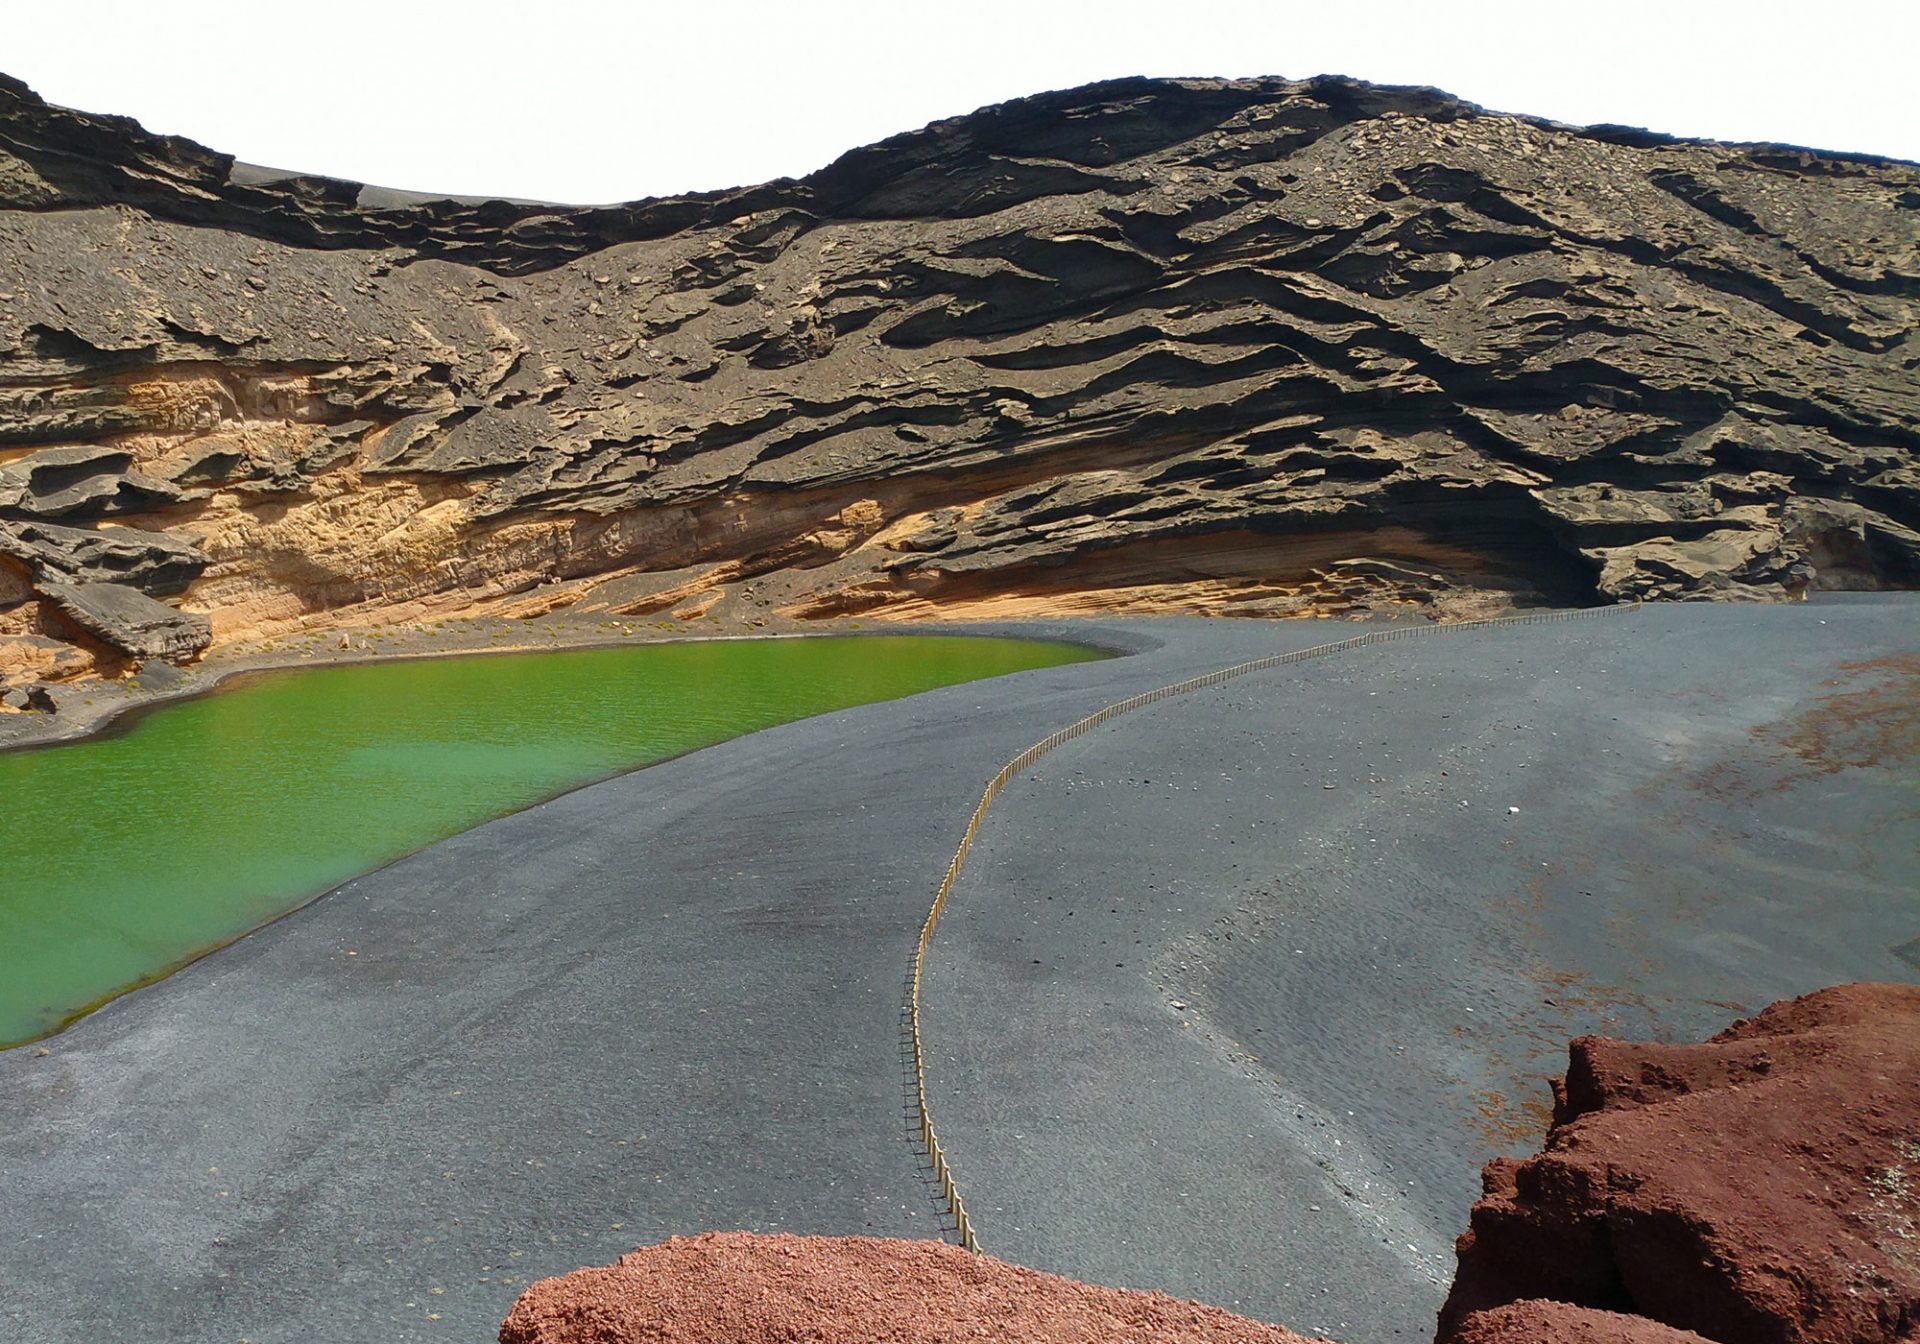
(1762, 1188)
(1538, 1322)
(738, 1288)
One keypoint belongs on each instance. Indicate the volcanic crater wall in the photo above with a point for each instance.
(1259, 347)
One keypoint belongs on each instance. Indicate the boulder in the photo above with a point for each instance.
(1761, 1188)
(31, 697)
(130, 621)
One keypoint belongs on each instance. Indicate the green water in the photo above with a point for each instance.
(124, 857)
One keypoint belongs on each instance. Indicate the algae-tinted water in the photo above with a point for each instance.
(125, 856)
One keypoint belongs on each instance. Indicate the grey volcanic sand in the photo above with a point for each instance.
(672, 1002)
(1239, 991)
(660, 1005)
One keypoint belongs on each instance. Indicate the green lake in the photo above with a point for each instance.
(125, 856)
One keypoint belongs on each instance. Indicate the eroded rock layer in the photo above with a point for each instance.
(1760, 1188)
(1259, 347)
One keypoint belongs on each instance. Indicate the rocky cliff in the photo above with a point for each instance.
(1257, 347)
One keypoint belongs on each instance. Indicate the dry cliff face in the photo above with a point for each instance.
(1248, 347)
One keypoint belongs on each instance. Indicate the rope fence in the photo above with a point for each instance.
(929, 1137)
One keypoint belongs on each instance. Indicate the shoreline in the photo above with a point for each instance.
(82, 715)
(81, 718)
(232, 678)
(558, 1034)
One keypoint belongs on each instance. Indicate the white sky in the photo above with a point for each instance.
(592, 100)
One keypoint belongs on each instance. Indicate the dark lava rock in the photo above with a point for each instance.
(32, 696)
(1229, 346)
(128, 620)
(1761, 1188)
(153, 562)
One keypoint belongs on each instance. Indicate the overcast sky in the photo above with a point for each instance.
(589, 101)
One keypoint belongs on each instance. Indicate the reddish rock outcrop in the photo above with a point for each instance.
(1541, 1322)
(737, 1288)
(1761, 1188)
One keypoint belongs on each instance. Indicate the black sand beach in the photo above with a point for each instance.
(1240, 991)
(672, 1002)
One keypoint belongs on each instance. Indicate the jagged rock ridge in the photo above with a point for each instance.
(1254, 347)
